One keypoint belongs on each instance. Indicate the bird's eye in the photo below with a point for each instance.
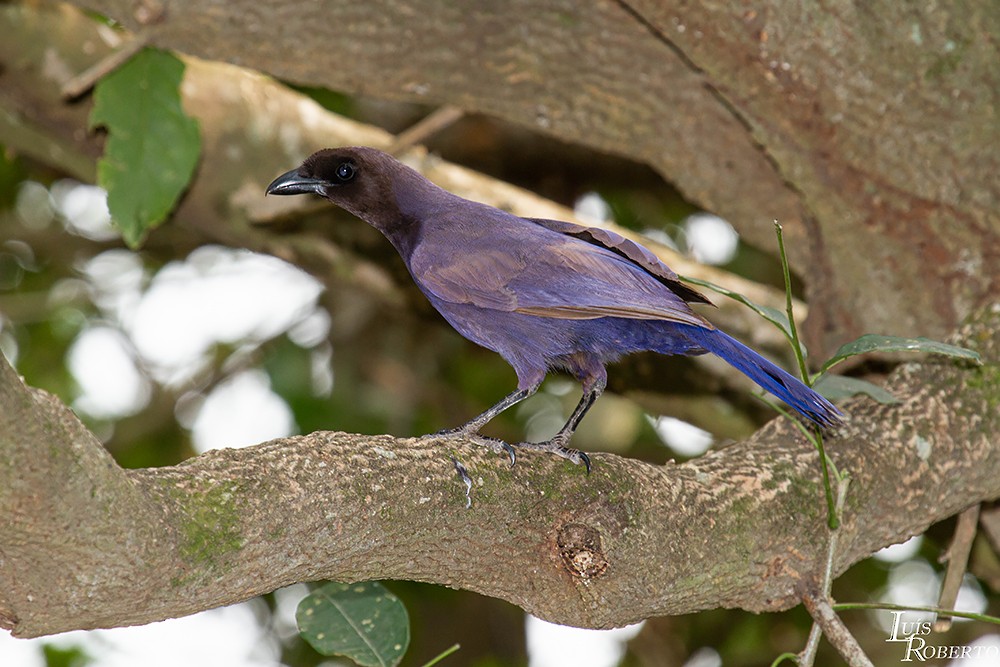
(346, 172)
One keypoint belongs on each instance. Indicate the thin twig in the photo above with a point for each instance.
(855, 606)
(832, 519)
(957, 556)
(835, 631)
(989, 519)
(430, 125)
(791, 657)
(444, 654)
(842, 485)
(89, 77)
(789, 312)
(808, 655)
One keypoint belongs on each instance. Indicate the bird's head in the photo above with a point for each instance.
(359, 180)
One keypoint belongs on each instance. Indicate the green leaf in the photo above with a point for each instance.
(772, 315)
(70, 656)
(877, 343)
(152, 147)
(840, 386)
(364, 622)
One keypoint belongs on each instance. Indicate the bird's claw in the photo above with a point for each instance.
(555, 446)
(493, 444)
(504, 446)
(510, 452)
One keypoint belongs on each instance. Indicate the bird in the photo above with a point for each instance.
(543, 294)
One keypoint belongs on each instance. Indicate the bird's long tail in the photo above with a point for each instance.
(770, 377)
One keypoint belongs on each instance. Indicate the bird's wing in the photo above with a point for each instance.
(480, 277)
(551, 274)
(574, 279)
(629, 250)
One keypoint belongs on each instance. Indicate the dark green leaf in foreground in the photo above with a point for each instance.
(840, 386)
(152, 145)
(364, 622)
(877, 343)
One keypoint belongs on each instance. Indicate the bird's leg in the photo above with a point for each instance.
(476, 423)
(470, 430)
(557, 443)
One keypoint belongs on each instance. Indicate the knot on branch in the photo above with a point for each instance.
(580, 551)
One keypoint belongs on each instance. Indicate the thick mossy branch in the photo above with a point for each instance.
(87, 544)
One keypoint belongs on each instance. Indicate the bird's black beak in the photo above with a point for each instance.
(291, 183)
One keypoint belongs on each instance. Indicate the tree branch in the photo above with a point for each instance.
(84, 543)
(836, 632)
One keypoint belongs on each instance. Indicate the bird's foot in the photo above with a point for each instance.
(558, 447)
(493, 444)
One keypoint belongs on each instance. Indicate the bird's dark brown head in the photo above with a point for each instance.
(358, 179)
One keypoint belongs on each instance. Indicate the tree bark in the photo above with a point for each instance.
(85, 544)
(869, 130)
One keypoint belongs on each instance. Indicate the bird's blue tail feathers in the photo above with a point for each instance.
(770, 377)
